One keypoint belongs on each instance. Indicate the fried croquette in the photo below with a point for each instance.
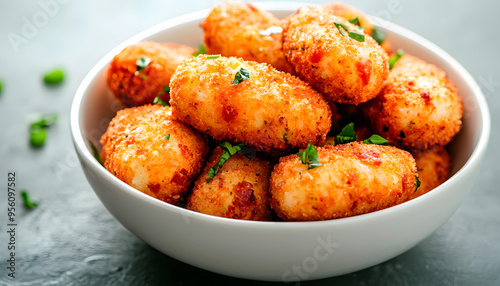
(137, 85)
(239, 190)
(433, 167)
(241, 30)
(342, 68)
(350, 13)
(147, 149)
(270, 111)
(418, 108)
(355, 179)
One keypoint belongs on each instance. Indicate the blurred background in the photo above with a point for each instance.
(71, 239)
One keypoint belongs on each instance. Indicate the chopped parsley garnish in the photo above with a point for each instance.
(201, 50)
(37, 136)
(356, 36)
(354, 21)
(378, 35)
(158, 100)
(346, 135)
(271, 31)
(53, 77)
(167, 137)
(166, 88)
(417, 183)
(1, 84)
(45, 120)
(395, 58)
(213, 57)
(310, 156)
(228, 150)
(141, 64)
(143, 77)
(376, 139)
(241, 75)
(27, 203)
(38, 129)
(96, 154)
(352, 35)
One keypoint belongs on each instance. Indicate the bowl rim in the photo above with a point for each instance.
(90, 162)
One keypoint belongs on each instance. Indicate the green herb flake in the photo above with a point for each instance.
(141, 64)
(395, 58)
(45, 120)
(53, 77)
(346, 135)
(1, 85)
(241, 75)
(167, 137)
(213, 57)
(378, 35)
(27, 203)
(96, 154)
(353, 35)
(228, 150)
(376, 139)
(38, 129)
(354, 21)
(166, 89)
(201, 50)
(271, 31)
(417, 183)
(310, 156)
(37, 136)
(356, 36)
(158, 100)
(339, 26)
(143, 77)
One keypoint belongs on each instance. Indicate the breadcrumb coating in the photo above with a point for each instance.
(135, 88)
(343, 69)
(149, 150)
(433, 167)
(235, 29)
(271, 111)
(418, 108)
(239, 190)
(355, 179)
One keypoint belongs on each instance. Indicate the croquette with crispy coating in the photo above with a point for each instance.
(144, 147)
(135, 86)
(418, 108)
(355, 179)
(272, 111)
(433, 167)
(239, 190)
(343, 69)
(234, 29)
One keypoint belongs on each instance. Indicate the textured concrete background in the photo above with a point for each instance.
(71, 239)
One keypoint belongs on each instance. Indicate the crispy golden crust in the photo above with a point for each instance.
(136, 151)
(349, 13)
(433, 168)
(271, 112)
(418, 108)
(341, 68)
(354, 179)
(232, 29)
(134, 89)
(240, 189)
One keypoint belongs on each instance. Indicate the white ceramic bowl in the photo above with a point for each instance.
(279, 251)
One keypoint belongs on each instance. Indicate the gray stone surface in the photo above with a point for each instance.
(71, 239)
